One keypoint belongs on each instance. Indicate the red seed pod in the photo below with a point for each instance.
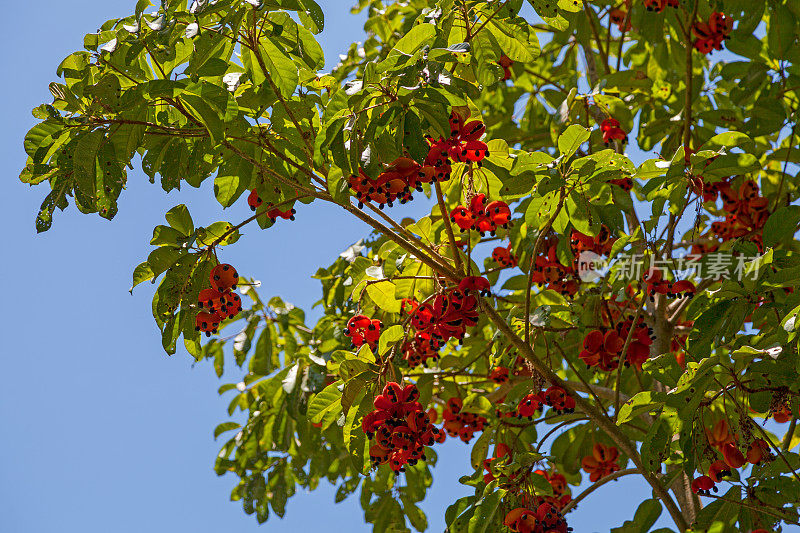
(702, 485)
(655, 5)
(719, 470)
(476, 284)
(478, 204)
(276, 213)
(463, 218)
(528, 406)
(224, 277)
(733, 456)
(211, 299)
(593, 342)
(499, 374)
(757, 451)
(232, 308)
(474, 151)
(254, 200)
(499, 213)
(206, 322)
(473, 130)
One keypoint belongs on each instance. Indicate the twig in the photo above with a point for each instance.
(596, 485)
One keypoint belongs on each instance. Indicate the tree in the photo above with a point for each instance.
(562, 309)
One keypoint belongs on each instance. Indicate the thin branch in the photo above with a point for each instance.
(687, 127)
(448, 227)
(596, 485)
(590, 14)
(536, 248)
(624, 354)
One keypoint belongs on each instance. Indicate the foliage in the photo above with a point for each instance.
(670, 375)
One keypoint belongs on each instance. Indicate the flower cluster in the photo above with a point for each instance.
(549, 272)
(400, 427)
(361, 329)
(482, 216)
(558, 400)
(600, 244)
(746, 214)
(546, 518)
(460, 424)
(602, 462)
(447, 317)
(218, 301)
(611, 130)
(558, 482)
(723, 440)
(395, 183)
(711, 34)
(603, 347)
(504, 257)
(656, 284)
(464, 144)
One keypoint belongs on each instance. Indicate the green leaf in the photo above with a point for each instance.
(312, 18)
(214, 233)
(730, 139)
(199, 107)
(415, 39)
(329, 399)
(541, 209)
(228, 188)
(262, 362)
(731, 165)
(781, 225)
(781, 32)
(414, 513)
(487, 514)
(280, 67)
(640, 404)
(480, 449)
(515, 40)
(225, 426)
(571, 140)
(655, 444)
(391, 335)
(179, 218)
(141, 273)
(382, 293)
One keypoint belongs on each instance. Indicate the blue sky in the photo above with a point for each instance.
(101, 430)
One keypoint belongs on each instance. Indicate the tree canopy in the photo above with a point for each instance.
(605, 284)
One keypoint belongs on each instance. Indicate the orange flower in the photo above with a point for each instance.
(720, 435)
(602, 462)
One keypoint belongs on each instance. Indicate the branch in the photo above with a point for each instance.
(624, 354)
(590, 14)
(448, 227)
(257, 51)
(787, 439)
(687, 128)
(536, 248)
(785, 165)
(407, 234)
(598, 417)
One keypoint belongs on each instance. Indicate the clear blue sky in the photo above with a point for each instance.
(102, 432)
